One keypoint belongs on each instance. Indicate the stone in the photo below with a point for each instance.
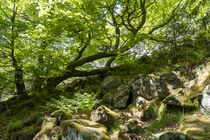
(117, 97)
(47, 124)
(173, 100)
(149, 86)
(111, 82)
(173, 136)
(104, 116)
(120, 98)
(132, 126)
(205, 101)
(144, 86)
(140, 108)
(167, 84)
(80, 129)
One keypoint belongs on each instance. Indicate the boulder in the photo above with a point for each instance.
(149, 86)
(104, 116)
(79, 129)
(132, 126)
(144, 86)
(47, 124)
(205, 101)
(173, 136)
(167, 84)
(131, 130)
(118, 98)
(174, 100)
(141, 109)
(111, 82)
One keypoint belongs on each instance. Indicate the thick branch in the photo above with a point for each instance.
(90, 73)
(92, 58)
(71, 72)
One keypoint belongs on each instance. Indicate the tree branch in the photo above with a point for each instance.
(92, 58)
(143, 19)
(83, 49)
(167, 21)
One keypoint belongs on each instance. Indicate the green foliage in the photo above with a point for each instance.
(64, 106)
(14, 125)
(167, 119)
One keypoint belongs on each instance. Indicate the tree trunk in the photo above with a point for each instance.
(19, 82)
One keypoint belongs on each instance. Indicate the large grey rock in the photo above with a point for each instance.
(111, 82)
(121, 97)
(118, 97)
(104, 116)
(205, 102)
(79, 129)
(167, 84)
(144, 86)
(149, 87)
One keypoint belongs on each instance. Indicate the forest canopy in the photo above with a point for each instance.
(45, 42)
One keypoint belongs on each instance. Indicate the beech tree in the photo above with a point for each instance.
(44, 42)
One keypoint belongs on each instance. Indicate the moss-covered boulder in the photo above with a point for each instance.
(117, 97)
(121, 97)
(142, 109)
(79, 129)
(168, 83)
(104, 116)
(47, 124)
(175, 99)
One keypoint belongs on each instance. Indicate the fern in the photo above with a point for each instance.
(65, 106)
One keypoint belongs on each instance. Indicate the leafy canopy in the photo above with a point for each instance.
(44, 42)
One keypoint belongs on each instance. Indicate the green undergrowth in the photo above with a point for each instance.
(63, 106)
(166, 119)
(20, 121)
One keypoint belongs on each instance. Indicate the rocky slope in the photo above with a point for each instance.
(173, 106)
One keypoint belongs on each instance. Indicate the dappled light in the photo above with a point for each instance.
(104, 70)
